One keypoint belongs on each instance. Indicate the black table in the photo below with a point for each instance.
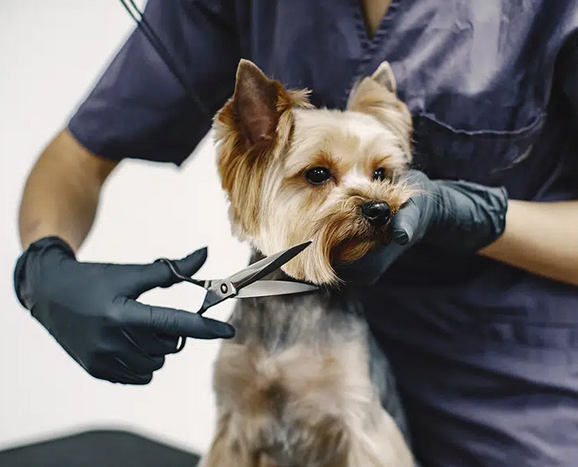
(98, 449)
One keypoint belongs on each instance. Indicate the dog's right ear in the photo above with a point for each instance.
(255, 103)
(249, 131)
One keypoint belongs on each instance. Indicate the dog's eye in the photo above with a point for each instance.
(379, 174)
(317, 175)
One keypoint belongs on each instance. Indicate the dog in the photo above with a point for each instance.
(303, 383)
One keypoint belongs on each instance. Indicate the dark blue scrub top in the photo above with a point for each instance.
(486, 355)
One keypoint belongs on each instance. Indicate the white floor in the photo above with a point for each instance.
(51, 52)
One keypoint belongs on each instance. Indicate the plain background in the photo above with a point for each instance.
(51, 53)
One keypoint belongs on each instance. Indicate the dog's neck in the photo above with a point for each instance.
(278, 274)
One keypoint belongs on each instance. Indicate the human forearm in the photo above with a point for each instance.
(541, 238)
(62, 192)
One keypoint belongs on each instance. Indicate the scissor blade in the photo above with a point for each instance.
(270, 288)
(211, 299)
(266, 266)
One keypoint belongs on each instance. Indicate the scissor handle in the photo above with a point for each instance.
(175, 272)
(181, 344)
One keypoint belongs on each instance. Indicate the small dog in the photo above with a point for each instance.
(303, 384)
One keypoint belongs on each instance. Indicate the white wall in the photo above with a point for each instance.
(50, 54)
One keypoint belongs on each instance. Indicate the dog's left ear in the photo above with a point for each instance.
(255, 103)
(384, 76)
(376, 95)
(378, 89)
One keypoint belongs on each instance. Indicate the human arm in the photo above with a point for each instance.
(136, 110)
(541, 238)
(62, 192)
(91, 308)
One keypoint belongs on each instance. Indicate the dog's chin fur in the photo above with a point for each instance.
(268, 137)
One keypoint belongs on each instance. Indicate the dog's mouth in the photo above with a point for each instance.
(342, 234)
(357, 246)
(339, 239)
(347, 236)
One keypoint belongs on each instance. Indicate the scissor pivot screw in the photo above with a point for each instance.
(224, 288)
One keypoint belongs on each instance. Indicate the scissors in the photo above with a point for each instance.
(247, 282)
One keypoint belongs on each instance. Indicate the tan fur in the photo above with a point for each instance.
(265, 181)
(294, 387)
(253, 384)
(326, 388)
(241, 166)
(372, 98)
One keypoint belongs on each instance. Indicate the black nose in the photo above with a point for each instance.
(376, 212)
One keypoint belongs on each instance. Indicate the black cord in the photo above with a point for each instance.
(154, 40)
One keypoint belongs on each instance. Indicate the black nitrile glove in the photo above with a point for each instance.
(459, 216)
(91, 310)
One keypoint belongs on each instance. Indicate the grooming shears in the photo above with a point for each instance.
(247, 282)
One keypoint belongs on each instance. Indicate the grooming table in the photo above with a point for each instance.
(98, 449)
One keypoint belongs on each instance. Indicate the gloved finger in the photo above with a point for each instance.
(140, 364)
(127, 378)
(170, 344)
(146, 277)
(368, 269)
(153, 344)
(390, 254)
(405, 223)
(171, 322)
(135, 357)
(115, 371)
(363, 271)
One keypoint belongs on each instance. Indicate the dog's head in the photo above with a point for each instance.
(293, 172)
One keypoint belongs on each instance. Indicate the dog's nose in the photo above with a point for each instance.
(376, 212)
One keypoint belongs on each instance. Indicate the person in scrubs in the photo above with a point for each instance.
(479, 315)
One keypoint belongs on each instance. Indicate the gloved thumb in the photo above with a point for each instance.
(405, 223)
(158, 274)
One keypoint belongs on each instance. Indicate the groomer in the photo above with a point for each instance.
(479, 316)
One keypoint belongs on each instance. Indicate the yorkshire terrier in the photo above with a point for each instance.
(303, 383)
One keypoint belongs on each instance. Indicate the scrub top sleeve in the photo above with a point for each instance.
(138, 109)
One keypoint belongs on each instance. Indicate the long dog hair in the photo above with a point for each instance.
(303, 384)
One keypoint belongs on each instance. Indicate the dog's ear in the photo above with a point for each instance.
(384, 76)
(252, 128)
(255, 102)
(379, 89)
(376, 95)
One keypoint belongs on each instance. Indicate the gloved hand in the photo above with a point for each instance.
(459, 216)
(91, 310)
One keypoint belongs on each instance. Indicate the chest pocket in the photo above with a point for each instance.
(482, 156)
(477, 85)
